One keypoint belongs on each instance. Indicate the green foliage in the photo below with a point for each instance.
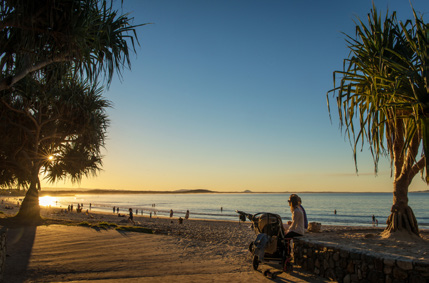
(105, 226)
(135, 229)
(382, 97)
(110, 225)
(101, 225)
(84, 224)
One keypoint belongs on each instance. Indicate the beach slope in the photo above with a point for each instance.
(58, 253)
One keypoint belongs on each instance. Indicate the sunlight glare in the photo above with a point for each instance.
(47, 200)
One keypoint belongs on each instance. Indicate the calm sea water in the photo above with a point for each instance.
(353, 209)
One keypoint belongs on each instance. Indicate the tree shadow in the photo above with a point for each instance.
(19, 244)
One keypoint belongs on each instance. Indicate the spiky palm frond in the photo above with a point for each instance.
(89, 34)
(380, 93)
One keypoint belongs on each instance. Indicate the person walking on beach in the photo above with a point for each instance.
(187, 214)
(171, 213)
(373, 220)
(114, 209)
(131, 218)
(117, 210)
(296, 226)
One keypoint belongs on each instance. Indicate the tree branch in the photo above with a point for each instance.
(8, 82)
(398, 144)
(412, 152)
(11, 108)
(417, 167)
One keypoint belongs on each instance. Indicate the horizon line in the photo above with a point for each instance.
(70, 190)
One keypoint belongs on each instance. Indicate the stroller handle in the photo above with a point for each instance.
(243, 215)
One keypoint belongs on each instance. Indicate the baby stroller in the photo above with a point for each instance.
(270, 245)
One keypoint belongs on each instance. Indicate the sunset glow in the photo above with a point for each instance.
(236, 104)
(47, 201)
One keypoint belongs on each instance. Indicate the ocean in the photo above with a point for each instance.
(352, 209)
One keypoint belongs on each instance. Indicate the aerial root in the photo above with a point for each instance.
(402, 221)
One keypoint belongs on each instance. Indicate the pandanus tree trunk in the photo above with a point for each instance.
(402, 217)
(29, 212)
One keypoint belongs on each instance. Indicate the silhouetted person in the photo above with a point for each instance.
(131, 218)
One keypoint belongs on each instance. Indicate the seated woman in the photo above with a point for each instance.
(296, 226)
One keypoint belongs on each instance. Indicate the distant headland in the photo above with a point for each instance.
(52, 192)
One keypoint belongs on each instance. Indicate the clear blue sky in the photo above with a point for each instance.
(230, 95)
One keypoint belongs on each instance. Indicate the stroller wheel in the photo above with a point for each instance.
(251, 247)
(288, 267)
(255, 263)
(267, 272)
(273, 276)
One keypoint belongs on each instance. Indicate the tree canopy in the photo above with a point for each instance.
(53, 56)
(89, 35)
(58, 127)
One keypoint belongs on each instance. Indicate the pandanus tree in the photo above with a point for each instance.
(58, 127)
(383, 100)
(38, 41)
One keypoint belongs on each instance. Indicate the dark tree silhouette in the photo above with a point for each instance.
(59, 128)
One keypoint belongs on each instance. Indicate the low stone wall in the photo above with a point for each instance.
(355, 265)
(3, 251)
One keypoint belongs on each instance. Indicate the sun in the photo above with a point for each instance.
(47, 201)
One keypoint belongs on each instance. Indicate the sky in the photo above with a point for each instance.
(230, 95)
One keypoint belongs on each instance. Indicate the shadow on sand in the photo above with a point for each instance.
(19, 244)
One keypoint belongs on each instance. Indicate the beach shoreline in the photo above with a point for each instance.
(215, 248)
(360, 212)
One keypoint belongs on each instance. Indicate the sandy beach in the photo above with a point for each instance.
(195, 251)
